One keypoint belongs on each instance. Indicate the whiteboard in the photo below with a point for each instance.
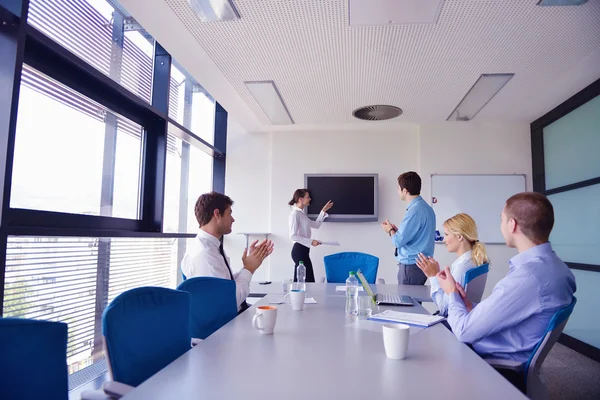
(481, 196)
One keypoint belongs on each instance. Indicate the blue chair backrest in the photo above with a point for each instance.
(145, 329)
(475, 280)
(550, 336)
(214, 304)
(475, 272)
(33, 360)
(339, 265)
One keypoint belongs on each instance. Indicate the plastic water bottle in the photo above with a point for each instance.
(301, 276)
(352, 294)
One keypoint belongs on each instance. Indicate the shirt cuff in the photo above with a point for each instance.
(435, 285)
(244, 275)
(454, 298)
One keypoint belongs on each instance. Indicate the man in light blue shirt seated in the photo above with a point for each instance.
(513, 319)
(416, 233)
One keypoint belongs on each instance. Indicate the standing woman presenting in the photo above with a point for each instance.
(300, 231)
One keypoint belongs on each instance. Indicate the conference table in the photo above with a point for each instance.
(322, 353)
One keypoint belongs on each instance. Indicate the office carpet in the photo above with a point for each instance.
(570, 375)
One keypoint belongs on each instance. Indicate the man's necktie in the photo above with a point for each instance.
(244, 306)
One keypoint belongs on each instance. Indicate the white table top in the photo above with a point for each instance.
(321, 353)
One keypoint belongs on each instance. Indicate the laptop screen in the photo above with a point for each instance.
(365, 284)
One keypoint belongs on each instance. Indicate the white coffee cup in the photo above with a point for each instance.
(296, 299)
(395, 340)
(264, 319)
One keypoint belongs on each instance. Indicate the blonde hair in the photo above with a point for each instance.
(463, 224)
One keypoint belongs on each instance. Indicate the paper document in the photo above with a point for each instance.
(343, 288)
(406, 318)
(331, 243)
(278, 299)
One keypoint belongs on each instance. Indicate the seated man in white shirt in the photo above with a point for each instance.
(205, 257)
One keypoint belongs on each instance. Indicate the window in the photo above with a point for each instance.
(190, 105)
(94, 31)
(571, 146)
(188, 175)
(78, 229)
(73, 155)
(56, 279)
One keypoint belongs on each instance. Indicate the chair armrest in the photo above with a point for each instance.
(322, 279)
(381, 281)
(116, 389)
(196, 341)
(505, 364)
(95, 395)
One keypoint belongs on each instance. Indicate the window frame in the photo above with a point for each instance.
(25, 44)
(537, 152)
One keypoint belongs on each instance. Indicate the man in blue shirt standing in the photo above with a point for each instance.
(416, 233)
(513, 319)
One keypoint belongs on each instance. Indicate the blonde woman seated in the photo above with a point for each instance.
(460, 236)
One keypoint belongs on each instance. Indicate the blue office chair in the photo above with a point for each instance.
(213, 302)
(145, 329)
(33, 360)
(339, 265)
(475, 280)
(530, 370)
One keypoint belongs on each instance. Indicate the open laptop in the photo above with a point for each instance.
(384, 299)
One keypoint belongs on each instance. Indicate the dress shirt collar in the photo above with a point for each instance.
(297, 209)
(530, 254)
(462, 258)
(207, 236)
(413, 202)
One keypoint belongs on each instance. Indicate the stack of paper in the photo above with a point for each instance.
(407, 318)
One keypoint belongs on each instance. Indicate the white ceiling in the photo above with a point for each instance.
(324, 68)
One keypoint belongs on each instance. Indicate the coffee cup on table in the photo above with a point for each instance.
(296, 299)
(264, 319)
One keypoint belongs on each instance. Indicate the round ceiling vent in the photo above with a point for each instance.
(377, 112)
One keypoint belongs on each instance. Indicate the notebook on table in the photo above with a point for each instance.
(398, 317)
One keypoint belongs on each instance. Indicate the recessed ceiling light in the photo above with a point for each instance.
(214, 10)
(561, 2)
(268, 98)
(383, 12)
(478, 96)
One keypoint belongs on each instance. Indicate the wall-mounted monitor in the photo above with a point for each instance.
(354, 196)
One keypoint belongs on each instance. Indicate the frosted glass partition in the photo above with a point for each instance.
(572, 146)
(584, 323)
(575, 236)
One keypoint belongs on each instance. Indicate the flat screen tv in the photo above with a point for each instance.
(354, 196)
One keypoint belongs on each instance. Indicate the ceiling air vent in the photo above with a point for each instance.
(377, 112)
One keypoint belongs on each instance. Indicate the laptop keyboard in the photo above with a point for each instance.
(389, 298)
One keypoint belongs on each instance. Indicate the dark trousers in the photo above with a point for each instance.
(410, 274)
(301, 253)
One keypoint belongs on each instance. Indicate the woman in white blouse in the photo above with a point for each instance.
(300, 231)
(460, 236)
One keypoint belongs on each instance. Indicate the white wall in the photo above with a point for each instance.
(263, 170)
(248, 183)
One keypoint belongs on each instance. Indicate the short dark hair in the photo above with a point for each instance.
(208, 203)
(298, 194)
(410, 181)
(534, 215)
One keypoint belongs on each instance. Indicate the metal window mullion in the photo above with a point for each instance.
(108, 183)
(12, 43)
